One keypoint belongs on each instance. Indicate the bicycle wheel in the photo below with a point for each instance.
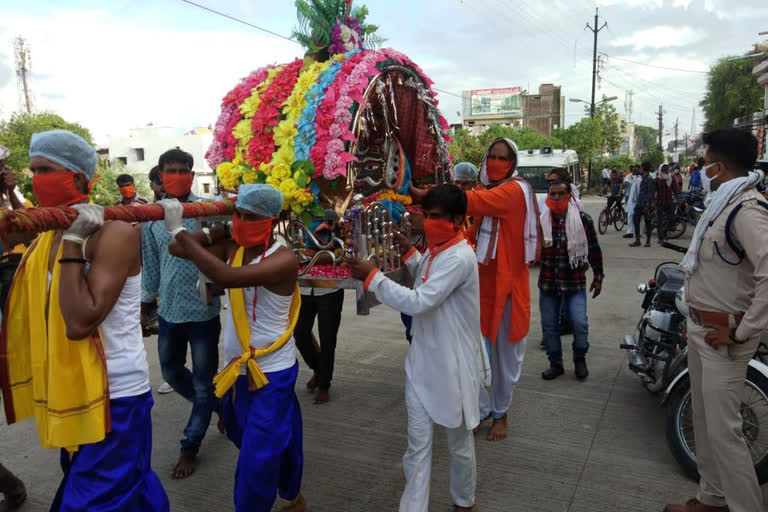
(619, 218)
(602, 222)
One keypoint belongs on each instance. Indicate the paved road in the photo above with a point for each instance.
(574, 446)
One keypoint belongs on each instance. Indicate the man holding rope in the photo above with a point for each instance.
(71, 351)
(260, 411)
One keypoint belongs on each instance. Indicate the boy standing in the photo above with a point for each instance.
(444, 363)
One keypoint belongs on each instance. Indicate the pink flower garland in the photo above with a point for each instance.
(262, 145)
(223, 146)
(325, 116)
(336, 158)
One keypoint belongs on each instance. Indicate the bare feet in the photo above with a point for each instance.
(297, 505)
(322, 396)
(312, 384)
(185, 466)
(457, 508)
(498, 429)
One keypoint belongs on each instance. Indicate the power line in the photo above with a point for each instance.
(239, 21)
(654, 66)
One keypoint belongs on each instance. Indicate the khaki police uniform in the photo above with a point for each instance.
(717, 374)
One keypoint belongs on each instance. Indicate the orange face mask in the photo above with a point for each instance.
(251, 233)
(128, 191)
(178, 184)
(498, 169)
(439, 231)
(57, 189)
(558, 207)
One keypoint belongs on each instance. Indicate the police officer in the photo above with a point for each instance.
(727, 294)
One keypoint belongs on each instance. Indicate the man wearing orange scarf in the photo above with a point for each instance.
(505, 232)
(71, 352)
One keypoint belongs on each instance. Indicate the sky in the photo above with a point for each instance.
(113, 65)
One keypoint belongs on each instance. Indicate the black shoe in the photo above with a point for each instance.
(580, 368)
(628, 236)
(553, 372)
(542, 345)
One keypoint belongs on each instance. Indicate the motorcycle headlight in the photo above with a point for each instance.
(642, 288)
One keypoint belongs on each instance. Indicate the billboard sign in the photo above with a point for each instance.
(488, 102)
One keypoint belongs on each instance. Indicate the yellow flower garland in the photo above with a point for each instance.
(392, 196)
(278, 169)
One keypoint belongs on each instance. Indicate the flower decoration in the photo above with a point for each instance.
(346, 36)
(290, 125)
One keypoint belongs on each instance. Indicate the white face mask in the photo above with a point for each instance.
(706, 181)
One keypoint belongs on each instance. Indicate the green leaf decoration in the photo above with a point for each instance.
(317, 210)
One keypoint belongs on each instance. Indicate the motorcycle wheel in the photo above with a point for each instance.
(677, 227)
(602, 222)
(619, 219)
(679, 424)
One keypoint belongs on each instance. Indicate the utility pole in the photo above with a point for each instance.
(675, 134)
(23, 65)
(595, 31)
(686, 144)
(660, 116)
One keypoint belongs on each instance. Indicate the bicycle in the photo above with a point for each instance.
(615, 215)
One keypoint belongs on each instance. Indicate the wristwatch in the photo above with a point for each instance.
(732, 335)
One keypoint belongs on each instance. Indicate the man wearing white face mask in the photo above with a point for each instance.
(727, 295)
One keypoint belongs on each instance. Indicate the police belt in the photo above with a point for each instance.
(714, 318)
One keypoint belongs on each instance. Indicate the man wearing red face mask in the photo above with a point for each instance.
(446, 342)
(71, 348)
(260, 411)
(506, 235)
(128, 195)
(183, 319)
(569, 246)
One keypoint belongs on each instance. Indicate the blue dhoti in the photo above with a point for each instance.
(266, 426)
(115, 475)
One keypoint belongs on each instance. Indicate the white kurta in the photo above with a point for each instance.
(444, 364)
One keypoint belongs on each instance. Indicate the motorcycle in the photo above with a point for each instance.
(690, 206)
(658, 354)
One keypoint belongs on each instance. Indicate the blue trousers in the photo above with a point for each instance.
(407, 323)
(266, 426)
(115, 474)
(196, 385)
(550, 307)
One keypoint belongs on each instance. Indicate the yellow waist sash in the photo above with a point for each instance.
(61, 382)
(256, 378)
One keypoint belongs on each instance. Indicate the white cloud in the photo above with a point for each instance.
(660, 37)
(111, 76)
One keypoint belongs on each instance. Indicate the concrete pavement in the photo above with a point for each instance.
(574, 446)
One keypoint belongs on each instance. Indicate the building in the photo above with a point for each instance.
(140, 150)
(544, 112)
(513, 107)
(761, 127)
(630, 142)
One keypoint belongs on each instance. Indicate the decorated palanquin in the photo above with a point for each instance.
(342, 133)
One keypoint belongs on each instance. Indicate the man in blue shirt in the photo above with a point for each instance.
(695, 182)
(182, 317)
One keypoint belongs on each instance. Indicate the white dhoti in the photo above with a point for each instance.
(417, 461)
(631, 218)
(506, 368)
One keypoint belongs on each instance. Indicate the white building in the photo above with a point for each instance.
(140, 150)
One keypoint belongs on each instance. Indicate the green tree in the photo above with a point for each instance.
(612, 129)
(16, 132)
(105, 190)
(649, 136)
(653, 155)
(732, 92)
(466, 147)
